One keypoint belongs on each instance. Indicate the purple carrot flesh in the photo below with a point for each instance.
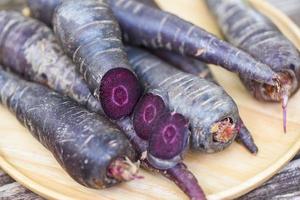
(169, 141)
(254, 33)
(39, 58)
(91, 36)
(151, 27)
(89, 155)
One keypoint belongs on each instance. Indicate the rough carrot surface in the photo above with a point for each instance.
(253, 32)
(43, 9)
(29, 48)
(151, 27)
(86, 145)
(91, 36)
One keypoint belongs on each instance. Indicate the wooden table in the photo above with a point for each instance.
(284, 185)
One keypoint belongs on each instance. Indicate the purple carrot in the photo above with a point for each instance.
(186, 64)
(251, 31)
(151, 27)
(200, 44)
(43, 10)
(91, 36)
(213, 115)
(179, 173)
(89, 147)
(29, 48)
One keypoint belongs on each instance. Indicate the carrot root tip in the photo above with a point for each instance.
(124, 170)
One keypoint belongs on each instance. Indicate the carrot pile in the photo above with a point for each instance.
(122, 84)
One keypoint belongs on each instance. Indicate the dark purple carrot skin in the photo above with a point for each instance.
(256, 34)
(188, 65)
(179, 174)
(91, 36)
(181, 62)
(29, 48)
(185, 38)
(202, 102)
(84, 143)
(43, 10)
(176, 173)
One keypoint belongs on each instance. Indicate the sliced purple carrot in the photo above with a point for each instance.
(254, 33)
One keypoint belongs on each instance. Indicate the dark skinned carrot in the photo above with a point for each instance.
(92, 150)
(200, 44)
(29, 48)
(178, 173)
(181, 62)
(213, 115)
(151, 27)
(256, 34)
(43, 10)
(90, 35)
(188, 65)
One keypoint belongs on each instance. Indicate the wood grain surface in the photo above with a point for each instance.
(234, 172)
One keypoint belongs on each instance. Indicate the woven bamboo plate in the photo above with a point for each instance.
(224, 175)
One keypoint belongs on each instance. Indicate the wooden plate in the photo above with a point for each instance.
(227, 174)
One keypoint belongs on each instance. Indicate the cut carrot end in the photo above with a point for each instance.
(223, 131)
(124, 170)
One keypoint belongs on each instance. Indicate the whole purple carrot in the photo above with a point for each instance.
(254, 33)
(91, 36)
(151, 27)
